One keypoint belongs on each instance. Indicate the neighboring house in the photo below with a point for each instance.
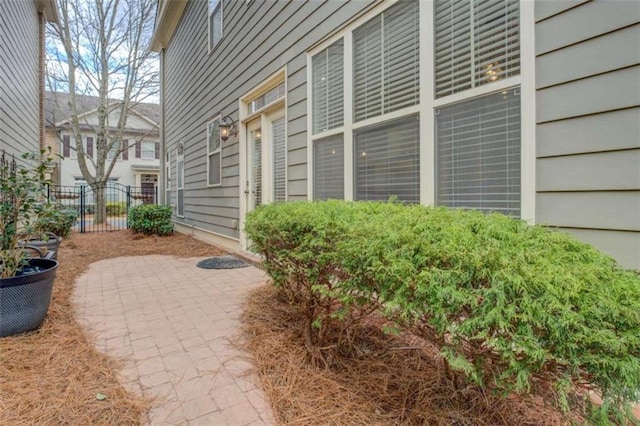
(138, 166)
(526, 108)
(22, 54)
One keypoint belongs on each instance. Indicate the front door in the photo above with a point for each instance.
(265, 161)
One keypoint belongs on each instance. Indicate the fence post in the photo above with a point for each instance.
(128, 203)
(82, 211)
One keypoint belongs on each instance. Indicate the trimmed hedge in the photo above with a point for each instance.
(151, 219)
(116, 208)
(511, 306)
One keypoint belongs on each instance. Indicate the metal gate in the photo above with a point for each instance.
(117, 200)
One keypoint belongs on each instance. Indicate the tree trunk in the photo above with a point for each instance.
(100, 214)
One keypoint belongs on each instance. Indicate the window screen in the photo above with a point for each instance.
(478, 153)
(387, 161)
(386, 61)
(476, 42)
(328, 168)
(328, 88)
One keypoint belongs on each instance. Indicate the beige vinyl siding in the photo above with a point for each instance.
(588, 122)
(260, 38)
(19, 79)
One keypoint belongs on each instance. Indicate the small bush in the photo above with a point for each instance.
(116, 208)
(57, 219)
(151, 219)
(511, 306)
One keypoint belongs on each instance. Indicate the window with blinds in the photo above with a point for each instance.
(327, 75)
(214, 153)
(180, 179)
(478, 153)
(387, 161)
(215, 23)
(386, 61)
(476, 42)
(279, 161)
(328, 168)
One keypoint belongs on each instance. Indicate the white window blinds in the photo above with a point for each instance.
(386, 61)
(328, 168)
(478, 153)
(328, 88)
(387, 161)
(476, 42)
(279, 161)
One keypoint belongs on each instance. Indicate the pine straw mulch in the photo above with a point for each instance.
(387, 382)
(52, 375)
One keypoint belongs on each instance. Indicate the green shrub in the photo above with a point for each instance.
(57, 219)
(151, 219)
(511, 306)
(116, 208)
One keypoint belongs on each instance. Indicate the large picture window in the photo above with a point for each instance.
(476, 43)
(386, 60)
(387, 161)
(478, 153)
(214, 153)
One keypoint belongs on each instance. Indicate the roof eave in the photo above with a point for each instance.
(169, 13)
(49, 8)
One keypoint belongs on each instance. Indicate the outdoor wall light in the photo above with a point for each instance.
(228, 127)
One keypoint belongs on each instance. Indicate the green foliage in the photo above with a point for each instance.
(511, 306)
(57, 219)
(116, 208)
(151, 219)
(22, 186)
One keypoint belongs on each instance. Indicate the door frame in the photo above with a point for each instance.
(269, 112)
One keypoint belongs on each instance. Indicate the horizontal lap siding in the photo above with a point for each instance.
(19, 80)
(588, 122)
(260, 38)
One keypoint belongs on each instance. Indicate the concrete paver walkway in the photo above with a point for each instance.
(173, 322)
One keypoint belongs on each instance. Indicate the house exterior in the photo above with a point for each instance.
(529, 108)
(22, 35)
(138, 166)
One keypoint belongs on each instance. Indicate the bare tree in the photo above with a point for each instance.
(100, 49)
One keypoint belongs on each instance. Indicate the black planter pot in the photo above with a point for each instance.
(24, 299)
(46, 246)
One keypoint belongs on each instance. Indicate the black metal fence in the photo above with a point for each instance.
(117, 200)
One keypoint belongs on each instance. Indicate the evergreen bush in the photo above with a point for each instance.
(151, 219)
(511, 306)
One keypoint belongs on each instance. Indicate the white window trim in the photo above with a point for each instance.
(210, 153)
(526, 81)
(179, 158)
(167, 176)
(244, 118)
(209, 13)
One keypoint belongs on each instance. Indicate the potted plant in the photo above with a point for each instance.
(26, 282)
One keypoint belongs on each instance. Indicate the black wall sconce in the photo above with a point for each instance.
(228, 127)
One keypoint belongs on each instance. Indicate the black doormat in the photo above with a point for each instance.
(221, 262)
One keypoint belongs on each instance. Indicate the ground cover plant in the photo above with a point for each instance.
(52, 375)
(512, 308)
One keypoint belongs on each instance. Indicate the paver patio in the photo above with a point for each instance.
(173, 322)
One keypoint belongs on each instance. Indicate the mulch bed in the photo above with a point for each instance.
(388, 380)
(53, 375)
